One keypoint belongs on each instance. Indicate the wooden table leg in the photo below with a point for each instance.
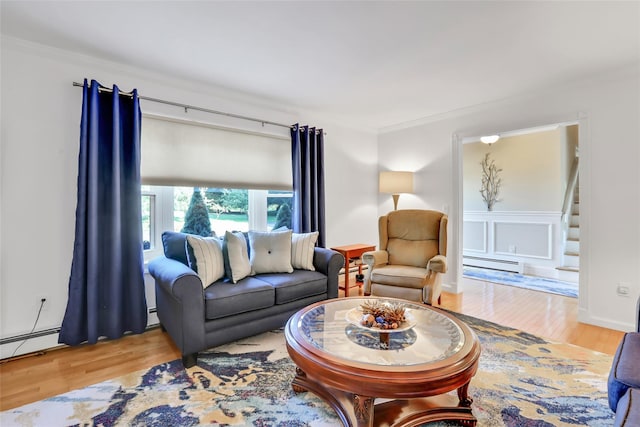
(363, 407)
(346, 275)
(463, 396)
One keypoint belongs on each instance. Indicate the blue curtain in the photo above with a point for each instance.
(106, 285)
(307, 152)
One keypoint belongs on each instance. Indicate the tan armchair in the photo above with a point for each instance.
(410, 258)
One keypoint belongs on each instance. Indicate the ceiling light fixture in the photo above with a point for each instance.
(490, 139)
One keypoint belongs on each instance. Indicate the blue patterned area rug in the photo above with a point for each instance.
(542, 284)
(522, 380)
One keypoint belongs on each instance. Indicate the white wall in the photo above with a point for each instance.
(40, 114)
(607, 109)
(40, 136)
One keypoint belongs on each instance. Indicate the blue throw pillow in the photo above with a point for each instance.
(176, 246)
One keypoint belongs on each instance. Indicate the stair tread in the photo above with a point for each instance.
(563, 268)
(570, 253)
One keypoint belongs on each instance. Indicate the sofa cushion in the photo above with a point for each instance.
(291, 287)
(302, 245)
(270, 252)
(236, 256)
(625, 369)
(206, 259)
(225, 299)
(175, 246)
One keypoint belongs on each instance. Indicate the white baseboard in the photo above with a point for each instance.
(32, 345)
(451, 288)
(585, 317)
(540, 271)
(50, 342)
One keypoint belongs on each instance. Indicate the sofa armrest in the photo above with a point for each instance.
(438, 264)
(175, 278)
(179, 303)
(329, 263)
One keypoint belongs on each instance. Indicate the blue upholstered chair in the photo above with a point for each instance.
(624, 379)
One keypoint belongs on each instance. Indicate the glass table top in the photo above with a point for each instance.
(330, 328)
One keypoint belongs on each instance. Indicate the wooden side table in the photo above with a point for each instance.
(350, 252)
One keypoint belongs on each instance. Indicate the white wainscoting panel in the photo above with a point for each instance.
(474, 235)
(532, 239)
(526, 239)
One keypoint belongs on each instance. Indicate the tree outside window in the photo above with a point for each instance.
(196, 220)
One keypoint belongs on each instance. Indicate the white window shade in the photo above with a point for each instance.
(180, 153)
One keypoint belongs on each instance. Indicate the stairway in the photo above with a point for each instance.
(570, 269)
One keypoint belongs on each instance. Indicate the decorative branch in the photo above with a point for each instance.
(490, 182)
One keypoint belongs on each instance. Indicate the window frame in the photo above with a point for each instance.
(162, 214)
(152, 222)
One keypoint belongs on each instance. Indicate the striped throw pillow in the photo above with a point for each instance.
(302, 246)
(208, 258)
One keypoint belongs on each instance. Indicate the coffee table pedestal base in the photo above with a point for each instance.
(360, 411)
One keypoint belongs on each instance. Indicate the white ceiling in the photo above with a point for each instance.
(373, 64)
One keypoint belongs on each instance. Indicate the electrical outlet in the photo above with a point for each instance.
(623, 289)
(512, 249)
(43, 301)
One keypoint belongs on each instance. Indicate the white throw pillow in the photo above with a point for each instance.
(209, 262)
(236, 257)
(302, 247)
(270, 252)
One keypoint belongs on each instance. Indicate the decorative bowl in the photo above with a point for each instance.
(354, 316)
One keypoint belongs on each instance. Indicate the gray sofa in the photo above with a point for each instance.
(198, 319)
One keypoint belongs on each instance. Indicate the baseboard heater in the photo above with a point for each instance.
(44, 332)
(23, 337)
(493, 264)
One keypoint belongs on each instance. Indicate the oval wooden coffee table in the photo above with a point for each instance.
(395, 379)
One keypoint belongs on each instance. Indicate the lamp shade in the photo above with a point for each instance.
(396, 182)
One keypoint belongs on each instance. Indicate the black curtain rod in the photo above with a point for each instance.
(192, 107)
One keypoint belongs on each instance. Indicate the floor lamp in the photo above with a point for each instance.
(396, 182)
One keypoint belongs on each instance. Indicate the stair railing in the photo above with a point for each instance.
(568, 197)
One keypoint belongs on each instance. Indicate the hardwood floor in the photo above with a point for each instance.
(547, 315)
(550, 316)
(28, 379)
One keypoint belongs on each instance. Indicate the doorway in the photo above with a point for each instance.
(520, 219)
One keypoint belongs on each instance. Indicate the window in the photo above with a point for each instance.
(252, 169)
(148, 210)
(165, 208)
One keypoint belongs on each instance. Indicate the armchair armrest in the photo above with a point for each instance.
(437, 264)
(375, 258)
